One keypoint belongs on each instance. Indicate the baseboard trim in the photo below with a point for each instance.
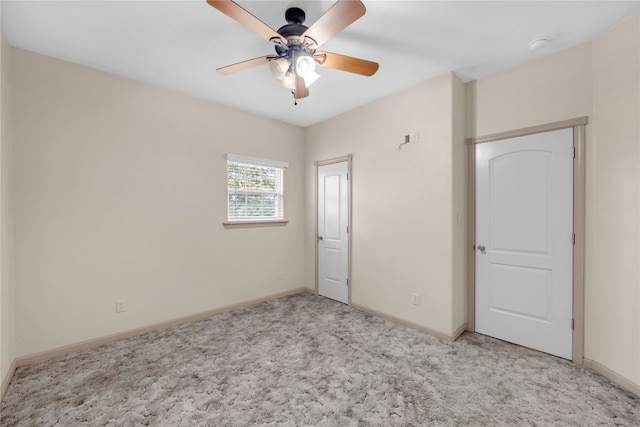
(438, 334)
(459, 331)
(97, 342)
(7, 379)
(612, 375)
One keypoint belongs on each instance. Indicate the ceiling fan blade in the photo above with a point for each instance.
(240, 66)
(346, 63)
(301, 90)
(342, 14)
(236, 12)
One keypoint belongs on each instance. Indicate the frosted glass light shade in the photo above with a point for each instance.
(305, 65)
(279, 67)
(289, 80)
(310, 78)
(305, 68)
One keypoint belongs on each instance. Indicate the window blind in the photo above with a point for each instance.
(255, 188)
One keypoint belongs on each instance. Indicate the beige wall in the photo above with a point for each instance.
(613, 203)
(599, 80)
(7, 290)
(553, 88)
(120, 193)
(402, 206)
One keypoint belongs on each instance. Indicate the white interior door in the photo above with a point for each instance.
(333, 222)
(524, 240)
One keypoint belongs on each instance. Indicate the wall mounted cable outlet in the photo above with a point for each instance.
(121, 306)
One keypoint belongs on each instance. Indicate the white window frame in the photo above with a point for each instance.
(278, 167)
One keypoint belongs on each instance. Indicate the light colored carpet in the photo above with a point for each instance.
(306, 360)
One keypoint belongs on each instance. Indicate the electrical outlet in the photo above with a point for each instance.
(415, 137)
(415, 299)
(121, 306)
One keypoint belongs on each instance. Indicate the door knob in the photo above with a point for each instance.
(319, 237)
(481, 248)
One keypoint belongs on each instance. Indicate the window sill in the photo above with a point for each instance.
(254, 224)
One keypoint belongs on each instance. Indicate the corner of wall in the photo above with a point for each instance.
(7, 291)
(470, 109)
(460, 209)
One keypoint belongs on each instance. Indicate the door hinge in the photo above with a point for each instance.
(574, 152)
(574, 238)
(347, 229)
(347, 283)
(347, 177)
(573, 324)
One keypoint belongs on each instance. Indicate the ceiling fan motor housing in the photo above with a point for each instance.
(292, 32)
(294, 28)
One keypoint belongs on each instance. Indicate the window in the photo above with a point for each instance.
(255, 189)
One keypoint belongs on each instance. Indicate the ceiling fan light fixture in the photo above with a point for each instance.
(279, 67)
(288, 80)
(309, 79)
(305, 65)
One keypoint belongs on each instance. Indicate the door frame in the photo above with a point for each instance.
(317, 164)
(579, 186)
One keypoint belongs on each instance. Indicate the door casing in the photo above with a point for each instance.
(579, 134)
(317, 164)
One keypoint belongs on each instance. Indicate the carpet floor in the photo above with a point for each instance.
(306, 360)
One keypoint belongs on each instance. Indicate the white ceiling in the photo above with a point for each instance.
(179, 44)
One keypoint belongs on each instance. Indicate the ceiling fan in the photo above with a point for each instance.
(296, 57)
